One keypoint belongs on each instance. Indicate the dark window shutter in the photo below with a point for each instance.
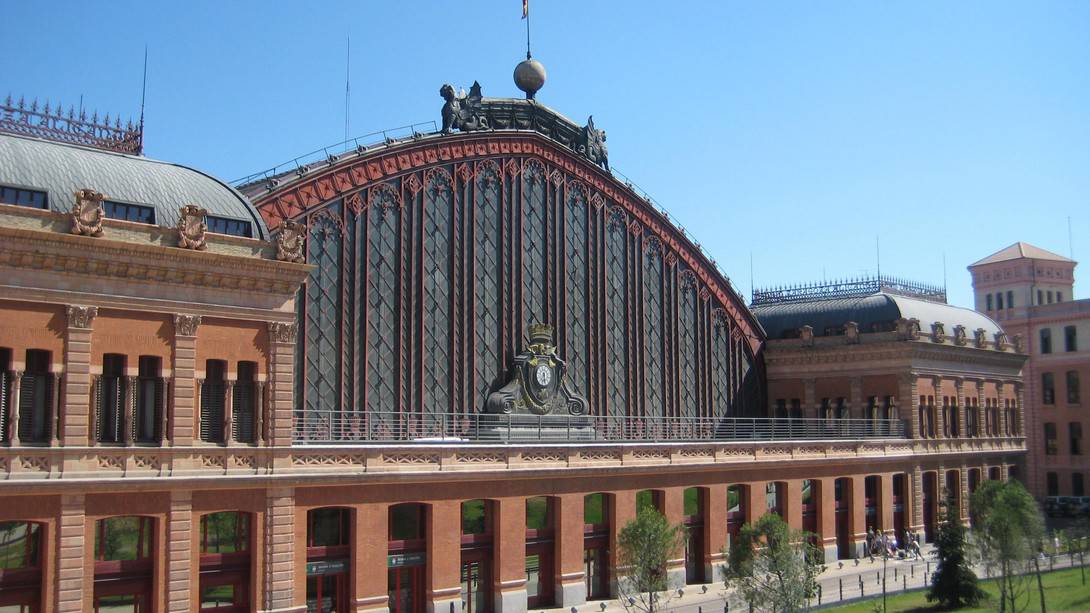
(212, 393)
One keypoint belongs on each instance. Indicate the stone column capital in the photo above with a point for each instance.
(80, 316)
(282, 332)
(186, 325)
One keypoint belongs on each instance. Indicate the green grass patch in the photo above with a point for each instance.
(1064, 591)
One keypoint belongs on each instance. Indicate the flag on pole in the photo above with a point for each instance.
(525, 8)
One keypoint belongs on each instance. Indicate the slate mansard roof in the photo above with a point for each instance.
(876, 312)
(59, 169)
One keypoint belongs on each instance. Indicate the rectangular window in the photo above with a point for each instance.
(1048, 388)
(36, 398)
(110, 399)
(781, 408)
(226, 225)
(1040, 297)
(999, 300)
(1074, 433)
(1010, 299)
(244, 403)
(5, 392)
(1053, 484)
(1050, 439)
(149, 400)
(1059, 296)
(1046, 340)
(23, 197)
(129, 212)
(213, 394)
(1072, 377)
(988, 300)
(1049, 295)
(1077, 488)
(796, 408)
(1071, 338)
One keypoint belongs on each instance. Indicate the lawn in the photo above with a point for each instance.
(1064, 591)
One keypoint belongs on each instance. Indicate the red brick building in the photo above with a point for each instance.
(1031, 293)
(330, 390)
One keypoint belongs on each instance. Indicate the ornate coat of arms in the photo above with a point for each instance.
(192, 229)
(537, 385)
(87, 213)
(289, 242)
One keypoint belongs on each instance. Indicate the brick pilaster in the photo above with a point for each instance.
(179, 558)
(75, 416)
(509, 587)
(916, 521)
(369, 549)
(280, 551)
(906, 403)
(281, 383)
(715, 530)
(184, 402)
(72, 555)
(855, 400)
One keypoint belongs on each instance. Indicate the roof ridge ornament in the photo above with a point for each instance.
(52, 123)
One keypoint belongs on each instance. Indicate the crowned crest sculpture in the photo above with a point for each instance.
(192, 228)
(87, 213)
(537, 384)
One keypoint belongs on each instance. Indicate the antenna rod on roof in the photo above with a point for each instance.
(143, 98)
(1070, 244)
(943, 273)
(347, 94)
(878, 258)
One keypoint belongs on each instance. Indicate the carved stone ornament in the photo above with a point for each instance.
(186, 325)
(1019, 343)
(908, 329)
(806, 333)
(593, 144)
(938, 332)
(851, 331)
(537, 385)
(980, 338)
(1001, 341)
(290, 237)
(460, 111)
(960, 337)
(81, 316)
(87, 213)
(192, 229)
(282, 332)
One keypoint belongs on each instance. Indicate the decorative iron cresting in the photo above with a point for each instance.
(848, 288)
(52, 123)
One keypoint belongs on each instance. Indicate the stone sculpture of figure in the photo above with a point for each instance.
(462, 112)
(594, 144)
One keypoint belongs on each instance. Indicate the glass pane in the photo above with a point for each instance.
(218, 596)
(18, 544)
(405, 522)
(734, 499)
(594, 509)
(537, 513)
(473, 517)
(122, 538)
(226, 532)
(692, 502)
(119, 604)
(325, 526)
(533, 575)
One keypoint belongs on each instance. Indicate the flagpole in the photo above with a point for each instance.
(526, 5)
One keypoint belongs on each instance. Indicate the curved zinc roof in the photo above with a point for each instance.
(876, 311)
(59, 169)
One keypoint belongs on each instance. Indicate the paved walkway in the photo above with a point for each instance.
(862, 578)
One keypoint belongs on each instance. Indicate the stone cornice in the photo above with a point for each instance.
(44, 250)
(92, 467)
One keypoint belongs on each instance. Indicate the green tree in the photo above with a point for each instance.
(645, 544)
(1008, 530)
(773, 566)
(954, 583)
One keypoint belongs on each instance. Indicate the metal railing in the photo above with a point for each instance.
(317, 427)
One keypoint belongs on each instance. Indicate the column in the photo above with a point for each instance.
(281, 382)
(279, 594)
(857, 515)
(963, 428)
(827, 517)
(509, 588)
(621, 511)
(809, 398)
(963, 501)
(885, 501)
(77, 380)
(906, 402)
(74, 538)
(571, 585)
(179, 554)
(715, 531)
(13, 416)
(1000, 409)
(940, 413)
(444, 579)
(756, 500)
(228, 410)
(980, 417)
(916, 519)
(369, 565)
(259, 414)
(792, 503)
(1020, 413)
(185, 386)
(674, 510)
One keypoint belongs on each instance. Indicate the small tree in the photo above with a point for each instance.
(644, 546)
(954, 584)
(1009, 530)
(773, 566)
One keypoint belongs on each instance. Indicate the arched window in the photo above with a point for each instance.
(225, 561)
(407, 557)
(476, 573)
(539, 551)
(596, 544)
(123, 564)
(328, 564)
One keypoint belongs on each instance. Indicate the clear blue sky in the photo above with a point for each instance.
(793, 131)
